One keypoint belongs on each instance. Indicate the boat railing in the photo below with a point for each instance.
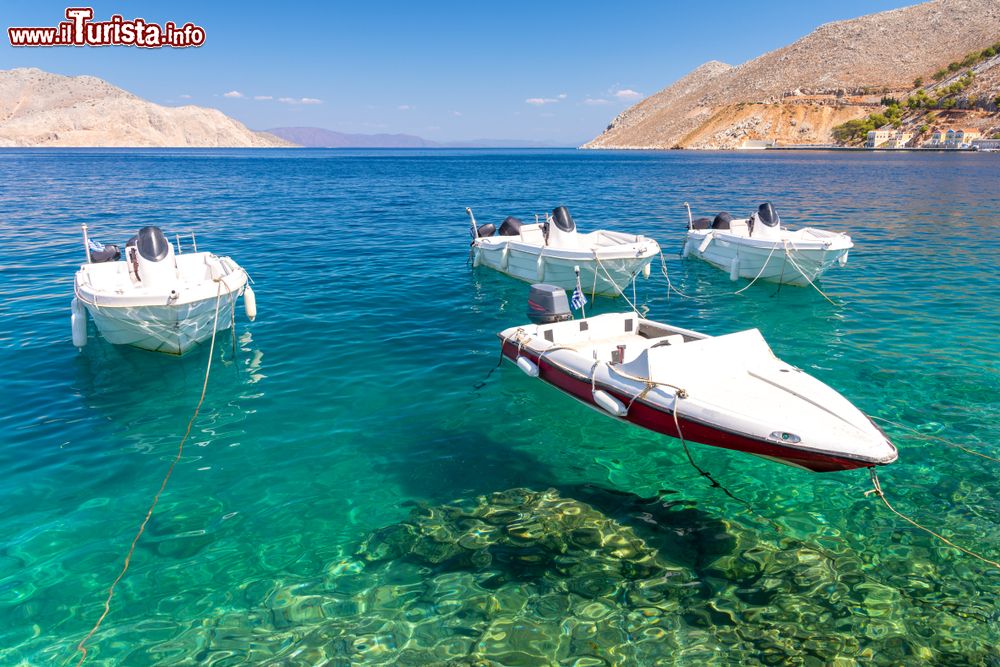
(194, 242)
(177, 237)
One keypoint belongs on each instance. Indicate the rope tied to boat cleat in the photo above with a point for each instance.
(81, 647)
(877, 490)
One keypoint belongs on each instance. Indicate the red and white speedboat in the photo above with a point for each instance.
(726, 391)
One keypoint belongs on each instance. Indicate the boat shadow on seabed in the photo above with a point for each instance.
(676, 527)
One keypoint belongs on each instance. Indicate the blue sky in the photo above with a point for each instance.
(549, 71)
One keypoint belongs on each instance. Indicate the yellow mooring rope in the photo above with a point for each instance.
(163, 485)
(877, 490)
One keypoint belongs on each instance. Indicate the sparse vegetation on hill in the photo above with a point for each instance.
(833, 77)
(969, 60)
(914, 109)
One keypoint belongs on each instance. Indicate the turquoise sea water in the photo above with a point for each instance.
(349, 407)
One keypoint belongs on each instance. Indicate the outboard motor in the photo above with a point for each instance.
(548, 304)
(151, 258)
(511, 226)
(562, 229)
(722, 221)
(767, 215)
(701, 223)
(764, 222)
(486, 231)
(100, 253)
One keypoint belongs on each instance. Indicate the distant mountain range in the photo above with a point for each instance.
(39, 108)
(42, 109)
(840, 72)
(318, 137)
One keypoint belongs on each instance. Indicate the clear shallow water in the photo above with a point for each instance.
(351, 401)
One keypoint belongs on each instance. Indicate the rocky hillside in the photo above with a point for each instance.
(797, 94)
(42, 109)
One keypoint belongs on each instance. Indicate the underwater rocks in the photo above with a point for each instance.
(525, 577)
(522, 535)
(518, 577)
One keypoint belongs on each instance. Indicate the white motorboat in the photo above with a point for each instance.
(727, 391)
(552, 251)
(155, 298)
(759, 248)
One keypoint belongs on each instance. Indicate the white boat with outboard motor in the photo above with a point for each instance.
(552, 250)
(727, 391)
(760, 248)
(155, 298)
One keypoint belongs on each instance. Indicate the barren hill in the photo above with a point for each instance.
(796, 94)
(42, 109)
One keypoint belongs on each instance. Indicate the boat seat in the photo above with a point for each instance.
(735, 350)
(532, 234)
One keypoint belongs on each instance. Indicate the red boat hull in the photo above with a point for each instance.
(662, 421)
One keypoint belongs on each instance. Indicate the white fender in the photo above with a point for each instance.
(609, 403)
(78, 321)
(704, 244)
(528, 366)
(250, 303)
(686, 250)
(505, 257)
(734, 269)
(645, 271)
(541, 267)
(842, 260)
(476, 257)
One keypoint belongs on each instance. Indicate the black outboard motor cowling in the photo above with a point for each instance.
(108, 253)
(767, 214)
(548, 304)
(486, 231)
(722, 221)
(152, 244)
(562, 219)
(511, 226)
(701, 223)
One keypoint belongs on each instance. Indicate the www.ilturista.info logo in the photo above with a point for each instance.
(80, 30)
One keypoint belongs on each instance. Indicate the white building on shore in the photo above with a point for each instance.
(888, 139)
(985, 144)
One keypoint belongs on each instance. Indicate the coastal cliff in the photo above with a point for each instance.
(38, 108)
(840, 72)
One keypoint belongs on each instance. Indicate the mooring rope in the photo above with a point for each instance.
(715, 484)
(791, 259)
(877, 490)
(81, 647)
(759, 273)
(930, 436)
(670, 285)
(615, 285)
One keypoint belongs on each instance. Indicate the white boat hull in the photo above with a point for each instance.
(608, 261)
(169, 329)
(726, 391)
(171, 316)
(786, 260)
